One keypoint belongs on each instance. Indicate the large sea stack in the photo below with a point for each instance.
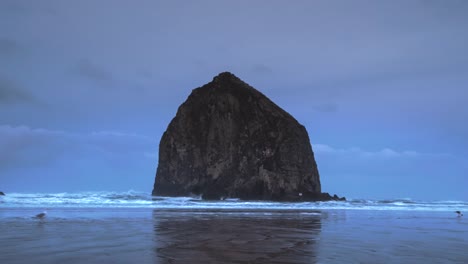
(228, 140)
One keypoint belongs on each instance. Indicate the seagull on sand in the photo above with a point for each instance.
(459, 213)
(41, 215)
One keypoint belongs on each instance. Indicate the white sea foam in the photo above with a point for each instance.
(145, 200)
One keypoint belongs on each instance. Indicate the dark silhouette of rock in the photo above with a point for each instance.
(1, 193)
(228, 140)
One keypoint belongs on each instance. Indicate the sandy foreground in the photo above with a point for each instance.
(130, 235)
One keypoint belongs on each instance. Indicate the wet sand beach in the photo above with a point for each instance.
(238, 237)
(139, 235)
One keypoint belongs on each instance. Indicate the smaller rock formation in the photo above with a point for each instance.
(1, 193)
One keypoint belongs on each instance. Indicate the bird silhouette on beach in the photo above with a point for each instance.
(41, 215)
(459, 214)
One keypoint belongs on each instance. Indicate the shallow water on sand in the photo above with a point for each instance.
(144, 235)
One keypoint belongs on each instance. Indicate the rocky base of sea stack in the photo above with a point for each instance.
(247, 194)
(300, 197)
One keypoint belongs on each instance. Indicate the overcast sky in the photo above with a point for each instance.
(88, 87)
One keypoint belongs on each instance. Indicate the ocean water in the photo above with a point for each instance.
(132, 227)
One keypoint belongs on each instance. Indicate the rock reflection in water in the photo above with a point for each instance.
(236, 236)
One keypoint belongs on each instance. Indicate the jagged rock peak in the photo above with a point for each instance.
(227, 80)
(226, 76)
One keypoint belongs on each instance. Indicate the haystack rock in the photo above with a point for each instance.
(228, 140)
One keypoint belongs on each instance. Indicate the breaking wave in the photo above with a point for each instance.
(145, 200)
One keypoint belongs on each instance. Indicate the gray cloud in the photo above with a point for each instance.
(389, 173)
(128, 84)
(92, 71)
(120, 143)
(261, 69)
(325, 107)
(12, 93)
(9, 47)
(14, 6)
(47, 160)
(386, 153)
(22, 146)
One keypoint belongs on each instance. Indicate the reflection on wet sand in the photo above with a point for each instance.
(236, 236)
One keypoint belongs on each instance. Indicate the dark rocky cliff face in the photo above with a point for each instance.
(229, 140)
